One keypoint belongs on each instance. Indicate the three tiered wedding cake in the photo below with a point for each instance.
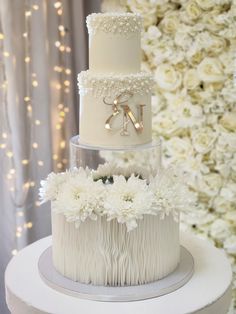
(116, 224)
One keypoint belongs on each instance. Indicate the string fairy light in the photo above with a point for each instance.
(63, 71)
(6, 128)
(63, 84)
(57, 4)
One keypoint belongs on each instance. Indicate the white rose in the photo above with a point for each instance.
(193, 10)
(214, 45)
(147, 9)
(231, 215)
(209, 20)
(210, 70)
(191, 79)
(178, 148)
(162, 53)
(167, 77)
(197, 96)
(227, 143)
(206, 4)
(229, 191)
(190, 115)
(212, 119)
(165, 124)
(213, 105)
(223, 169)
(217, 45)
(210, 184)
(230, 244)
(195, 168)
(227, 59)
(153, 32)
(221, 205)
(229, 93)
(220, 229)
(170, 24)
(182, 39)
(203, 139)
(162, 9)
(158, 103)
(228, 121)
(149, 18)
(195, 56)
(186, 114)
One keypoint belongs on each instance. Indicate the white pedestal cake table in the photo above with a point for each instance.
(207, 292)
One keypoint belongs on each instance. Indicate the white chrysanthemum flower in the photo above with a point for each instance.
(109, 169)
(171, 196)
(105, 170)
(50, 187)
(81, 198)
(139, 172)
(128, 200)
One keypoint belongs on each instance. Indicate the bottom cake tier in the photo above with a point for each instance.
(104, 253)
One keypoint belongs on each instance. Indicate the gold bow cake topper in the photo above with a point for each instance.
(120, 106)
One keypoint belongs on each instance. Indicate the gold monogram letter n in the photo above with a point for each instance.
(120, 106)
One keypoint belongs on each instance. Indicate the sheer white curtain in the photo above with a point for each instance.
(43, 45)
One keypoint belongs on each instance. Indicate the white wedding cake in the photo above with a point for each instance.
(115, 225)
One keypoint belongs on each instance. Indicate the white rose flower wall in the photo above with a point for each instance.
(189, 46)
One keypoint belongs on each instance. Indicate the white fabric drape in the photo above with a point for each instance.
(31, 143)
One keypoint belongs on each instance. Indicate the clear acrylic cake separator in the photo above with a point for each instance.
(146, 157)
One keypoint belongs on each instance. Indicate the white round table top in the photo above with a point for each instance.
(207, 292)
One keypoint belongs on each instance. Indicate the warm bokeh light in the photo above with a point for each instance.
(61, 86)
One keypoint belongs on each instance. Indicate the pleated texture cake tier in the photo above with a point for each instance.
(104, 253)
(115, 96)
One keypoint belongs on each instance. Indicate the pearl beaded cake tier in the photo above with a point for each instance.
(114, 42)
(104, 253)
(115, 110)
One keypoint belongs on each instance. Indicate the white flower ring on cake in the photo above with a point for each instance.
(122, 194)
(128, 200)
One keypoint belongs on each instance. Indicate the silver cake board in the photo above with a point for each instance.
(180, 276)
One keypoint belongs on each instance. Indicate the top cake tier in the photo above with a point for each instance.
(114, 42)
